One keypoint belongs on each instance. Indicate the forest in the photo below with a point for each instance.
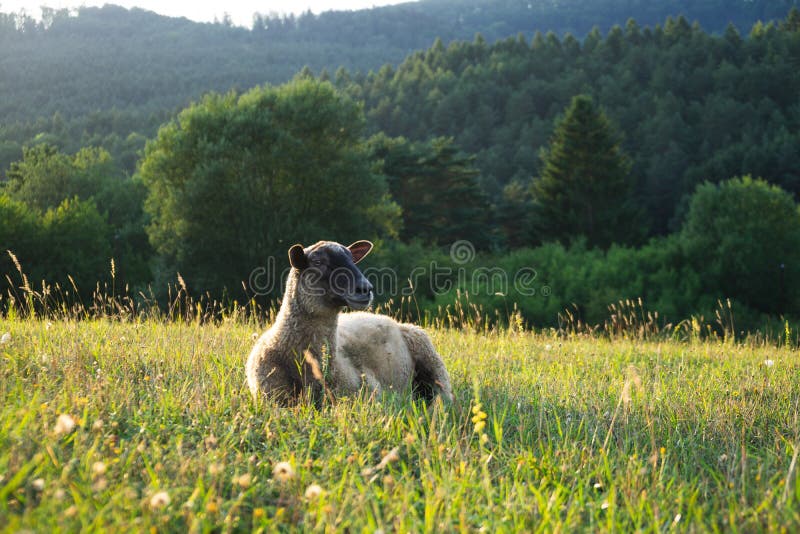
(657, 159)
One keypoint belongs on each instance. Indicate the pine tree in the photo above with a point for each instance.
(586, 187)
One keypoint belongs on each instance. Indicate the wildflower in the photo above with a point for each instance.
(216, 468)
(478, 418)
(59, 494)
(98, 468)
(769, 363)
(243, 481)
(72, 511)
(100, 484)
(5, 339)
(160, 500)
(283, 471)
(65, 424)
(97, 426)
(605, 505)
(258, 513)
(314, 491)
(677, 518)
(212, 507)
(38, 484)
(484, 439)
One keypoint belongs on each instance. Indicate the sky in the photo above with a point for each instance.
(240, 11)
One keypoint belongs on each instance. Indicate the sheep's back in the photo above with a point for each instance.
(374, 346)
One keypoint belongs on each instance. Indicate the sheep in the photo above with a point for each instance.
(351, 350)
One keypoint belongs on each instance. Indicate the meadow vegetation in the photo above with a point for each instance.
(140, 421)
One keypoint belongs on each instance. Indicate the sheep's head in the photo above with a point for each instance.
(328, 274)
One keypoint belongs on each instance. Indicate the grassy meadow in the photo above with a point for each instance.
(148, 425)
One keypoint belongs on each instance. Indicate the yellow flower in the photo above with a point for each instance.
(479, 426)
(478, 418)
(258, 513)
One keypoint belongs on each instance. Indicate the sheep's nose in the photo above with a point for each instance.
(364, 287)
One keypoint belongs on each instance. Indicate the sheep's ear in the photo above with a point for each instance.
(359, 249)
(297, 257)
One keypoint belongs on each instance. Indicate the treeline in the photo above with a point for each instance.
(690, 106)
(129, 70)
(225, 188)
(556, 163)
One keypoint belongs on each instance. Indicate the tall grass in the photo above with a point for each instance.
(141, 420)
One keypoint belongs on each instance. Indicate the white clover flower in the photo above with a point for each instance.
(98, 468)
(314, 491)
(283, 471)
(65, 424)
(160, 500)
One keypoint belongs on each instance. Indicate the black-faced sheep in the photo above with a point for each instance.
(351, 349)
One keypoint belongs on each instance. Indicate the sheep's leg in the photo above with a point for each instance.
(430, 374)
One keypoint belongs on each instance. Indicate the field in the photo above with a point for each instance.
(148, 426)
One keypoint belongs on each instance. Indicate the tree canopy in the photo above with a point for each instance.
(235, 180)
(585, 188)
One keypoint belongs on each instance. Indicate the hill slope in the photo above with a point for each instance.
(133, 59)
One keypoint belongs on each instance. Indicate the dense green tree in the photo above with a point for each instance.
(70, 240)
(585, 187)
(437, 188)
(46, 177)
(75, 243)
(19, 233)
(237, 179)
(743, 237)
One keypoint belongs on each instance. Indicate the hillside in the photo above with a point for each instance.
(111, 57)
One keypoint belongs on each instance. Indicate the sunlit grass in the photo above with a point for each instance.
(579, 433)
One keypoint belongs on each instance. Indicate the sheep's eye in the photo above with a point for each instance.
(316, 263)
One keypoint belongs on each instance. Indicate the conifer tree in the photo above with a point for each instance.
(586, 187)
